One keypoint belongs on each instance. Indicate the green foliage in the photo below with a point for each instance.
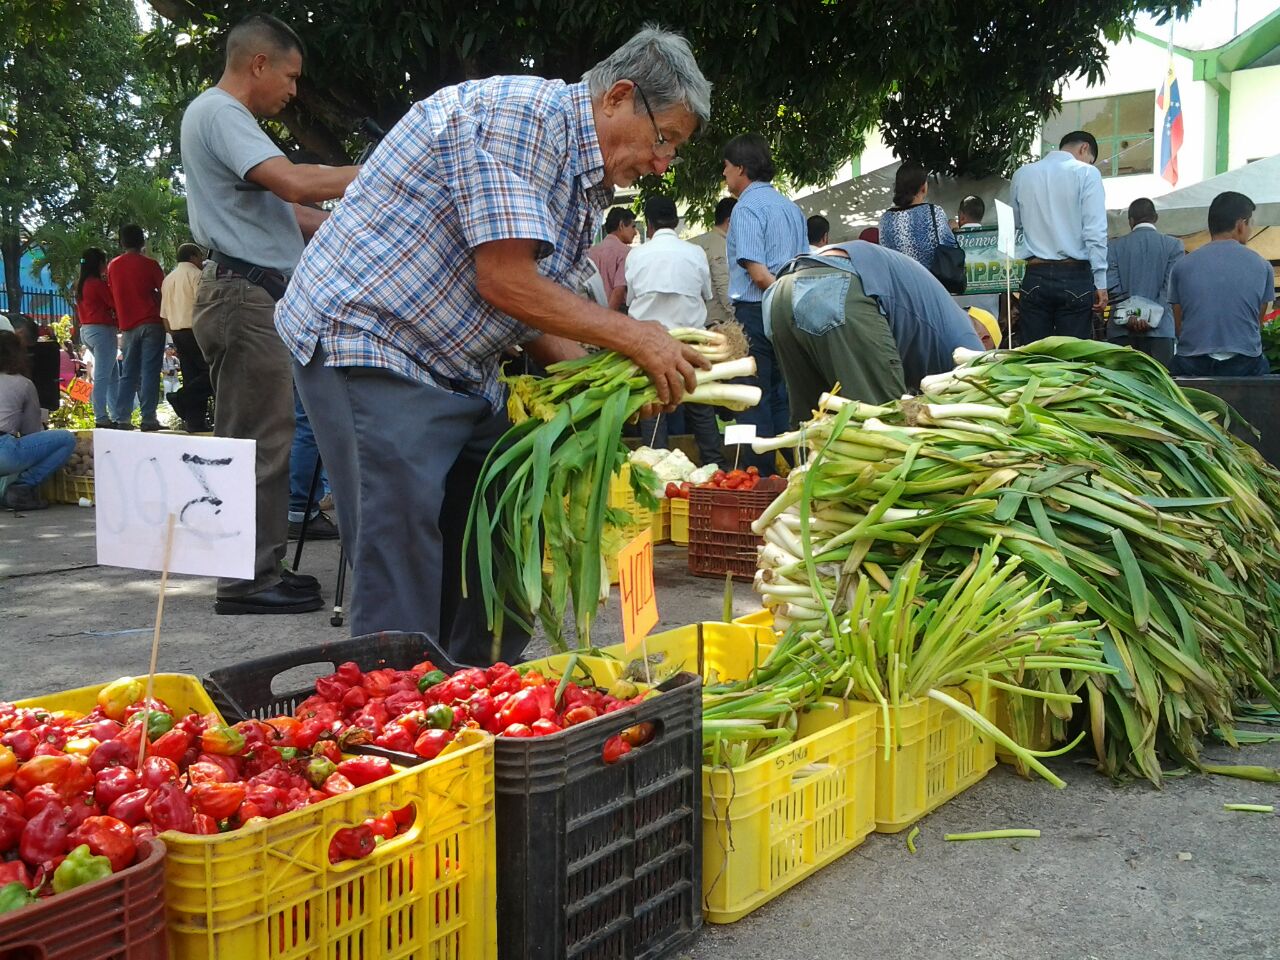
(79, 141)
(1271, 343)
(958, 86)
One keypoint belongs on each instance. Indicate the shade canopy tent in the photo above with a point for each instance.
(1185, 212)
(855, 204)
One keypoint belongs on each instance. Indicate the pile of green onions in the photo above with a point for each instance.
(901, 644)
(544, 490)
(1090, 465)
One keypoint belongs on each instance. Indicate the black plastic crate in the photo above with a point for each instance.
(595, 860)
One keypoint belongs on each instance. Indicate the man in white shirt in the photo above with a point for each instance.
(177, 303)
(668, 280)
(1059, 204)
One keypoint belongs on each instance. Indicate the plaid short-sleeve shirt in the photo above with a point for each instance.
(389, 280)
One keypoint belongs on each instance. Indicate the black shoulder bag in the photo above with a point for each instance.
(948, 262)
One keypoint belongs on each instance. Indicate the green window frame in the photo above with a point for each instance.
(1123, 125)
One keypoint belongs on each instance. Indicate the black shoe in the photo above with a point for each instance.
(319, 527)
(151, 426)
(195, 426)
(280, 598)
(104, 425)
(122, 425)
(300, 581)
(22, 496)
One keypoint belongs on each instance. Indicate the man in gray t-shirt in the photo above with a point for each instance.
(255, 239)
(1220, 293)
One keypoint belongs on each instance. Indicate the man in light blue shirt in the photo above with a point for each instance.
(1059, 204)
(765, 232)
(1139, 265)
(1220, 294)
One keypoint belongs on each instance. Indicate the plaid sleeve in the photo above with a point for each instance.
(493, 200)
(748, 234)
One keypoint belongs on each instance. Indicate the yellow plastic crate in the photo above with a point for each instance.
(938, 756)
(622, 497)
(760, 618)
(660, 523)
(680, 521)
(62, 487)
(182, 692)
(602, 671)
(729, 651)
(1034, 732)
(776, 820)
(269, 892)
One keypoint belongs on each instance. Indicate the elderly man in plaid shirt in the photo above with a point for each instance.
(462, 237)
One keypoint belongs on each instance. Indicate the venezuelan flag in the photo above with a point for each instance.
(1171, 133)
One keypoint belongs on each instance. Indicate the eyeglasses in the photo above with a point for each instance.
(661, 144)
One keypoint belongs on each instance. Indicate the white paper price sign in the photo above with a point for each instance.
(207, 483)
(736, 433)
(1007, 234)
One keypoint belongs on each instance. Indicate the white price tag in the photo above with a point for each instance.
(739, 433)
(207, 483)
(1006, 235)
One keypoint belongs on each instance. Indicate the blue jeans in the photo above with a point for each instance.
(143, 354)
(771, 416)
(101, 341)
(303, 457)
(1206, 366)
(34, 457)
(1056, 301)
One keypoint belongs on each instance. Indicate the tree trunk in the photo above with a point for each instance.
(11, 245)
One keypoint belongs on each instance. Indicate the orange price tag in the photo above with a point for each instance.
(635, 586)
(81, 391)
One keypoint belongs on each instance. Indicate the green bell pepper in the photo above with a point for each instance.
(15, 895)
(80, 867)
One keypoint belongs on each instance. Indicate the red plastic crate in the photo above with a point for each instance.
(120, 917)
(720, 537)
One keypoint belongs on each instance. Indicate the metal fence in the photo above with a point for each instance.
(42, 305)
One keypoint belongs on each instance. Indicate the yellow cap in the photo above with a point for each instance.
(990, 323)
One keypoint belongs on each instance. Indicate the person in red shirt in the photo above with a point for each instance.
(135, 280)
(97, 314)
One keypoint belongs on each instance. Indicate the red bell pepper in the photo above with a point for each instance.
(112, 753)
(222, 740)
(522, 708)
(158, 770)
(517, 730)
(362, 770)
(113, 783)
(46, 834)
(172, 745)
(71, 775)
(13, 820)
(542, 728)
(217, 800)
(15, 871)
(351, 843)
(205, 825)
(269, 801)
(23, 743)
(580, 714)
(107, 837)
(169, 808)
(431, 742)
(130, 807)
(335, 784)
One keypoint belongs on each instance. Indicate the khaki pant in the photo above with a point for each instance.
(234, 323)
(826, 330)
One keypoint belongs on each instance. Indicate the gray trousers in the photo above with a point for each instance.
(1159, 348)
(249, 368)
(403, 459)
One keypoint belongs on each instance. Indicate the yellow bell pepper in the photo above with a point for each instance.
(118, 695)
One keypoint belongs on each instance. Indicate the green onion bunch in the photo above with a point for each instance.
(544, 489)
(1086, 462)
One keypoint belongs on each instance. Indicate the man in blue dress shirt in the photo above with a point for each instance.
(766, 231)
(1139, 264)
(1059, 204)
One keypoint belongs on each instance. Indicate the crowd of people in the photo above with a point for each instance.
(372, 334)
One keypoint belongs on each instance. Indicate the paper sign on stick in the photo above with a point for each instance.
(739, 433)
(635, 586)
(1007, 239)
(206, 482)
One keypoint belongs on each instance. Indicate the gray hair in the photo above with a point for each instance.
(662, 64)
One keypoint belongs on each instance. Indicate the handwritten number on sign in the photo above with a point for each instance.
(211, 501)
